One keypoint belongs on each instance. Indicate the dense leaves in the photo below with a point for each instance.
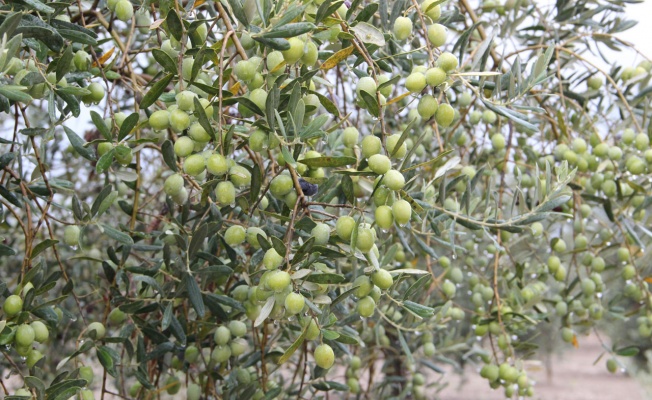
(262, 199)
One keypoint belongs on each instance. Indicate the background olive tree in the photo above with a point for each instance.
(277, 199)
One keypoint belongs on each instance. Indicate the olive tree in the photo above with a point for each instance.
(280, 199)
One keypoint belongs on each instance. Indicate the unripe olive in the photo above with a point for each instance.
(366, 307)
(259, 97)
(295, 52)
(324, 356)
(447, 61)
(281, 185)
(71, 235)
(81, 60)
(321, 232)
(415, 82)
(489, 117)
(434, 12)
(344, 227)
(384, 217)
(366, 84)
(363, 286)
(387, 89)
(312, 332)
(294, 303)
(124, 10)
(222, 335)
(33, 357)
(635, 165)
(379, 163)
(24, 335)
(179, 120)
(225, 193)
(274, 60)
(612, 365)
(12, 305)
(238, 328)
(278, 280)
(41, 332)
(310, 54)
(598, 264)
(184, 146)
(437, 35)
(448, 288)
(609, 188)
(198, 133)
(350, 136)
(244, 70)
(445, 115)
(258, 140)
(96, 93)
(235, 235)
(221, 354)
(135, 389)
(252, 236)
(193, 392)
(365, 240)
(394, 180)
(186, 100)
(628, 272)
(238, 347)
(490, 372)
(160, 120)
(402, 28)
(272, 259)
(86, 373)
(427, 107)
(559, 246)
(392, 141)
(96, 329)
(402, 211)
(382, 278)
(615, 153)
(498, 141)
(194, 164)
(642, 142)
(123, 154)
(217, 165)
(370, 145)
(240, 176)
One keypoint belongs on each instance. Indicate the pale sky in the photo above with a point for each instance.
(641, 34)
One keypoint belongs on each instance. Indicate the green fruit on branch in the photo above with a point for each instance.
(384, 217)
(370, 145)
(437, 34)
(124, 10)
(24, 335)
(427, 107)
(415, 82)
(324, 356)
(71, 235)
(379, 163)
(96, 330)
(447, 61)
(294, 303)
(225, 193)
(402, 28)
(344, 227)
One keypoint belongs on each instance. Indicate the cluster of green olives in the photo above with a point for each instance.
(24, 335)
(513, 380)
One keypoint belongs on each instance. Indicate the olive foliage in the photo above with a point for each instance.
(274, 199)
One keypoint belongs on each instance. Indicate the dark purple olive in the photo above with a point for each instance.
(309, 189)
